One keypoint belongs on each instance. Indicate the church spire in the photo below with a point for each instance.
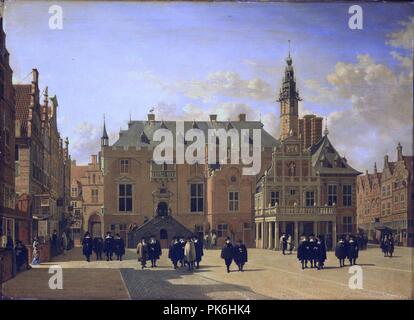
(104, 138)
(289, 98)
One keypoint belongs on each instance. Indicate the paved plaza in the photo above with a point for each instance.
(268, 275)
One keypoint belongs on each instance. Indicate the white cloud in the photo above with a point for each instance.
(404, 37)
(87, 141)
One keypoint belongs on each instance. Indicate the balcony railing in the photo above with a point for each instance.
(276, 210)
(163, 174)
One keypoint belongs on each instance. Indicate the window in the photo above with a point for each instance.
(332, 195)
(402, 201)
(292, 192)
(74, 192)
(310, 198)
(347, 195)
(94, 195)
(124, 166)
(197, 197)
(222, 229)
(274, 198)
(16, 152)
(388, 190)
(347, 224)
(233, 201)
(17, 169)
(94, 179)
(74, 204)
(383, 191)
(125, 198)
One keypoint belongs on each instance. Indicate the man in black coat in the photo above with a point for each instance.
(321, 252)
(227, 253)
(198, 244)
(98, 247)
(284, 243)
(21, 253)
(240, 255)
(119, 247)
(341, 252)
(353, 249)
(301, 254)
(87, 245)
(154, 251)
(313, 251)
(174, 252)
(108, 246)
(182, 243)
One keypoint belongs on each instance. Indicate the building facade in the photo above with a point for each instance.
(308, 188)
(385, 200)
(9, 220)
(177, 199)
(42, 160)
(87, 198)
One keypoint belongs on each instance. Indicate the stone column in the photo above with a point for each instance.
(256, 230)
(315, 228)
(263, 234)
(270, 238)
(276, 235)
(334, 240)
(296, 234)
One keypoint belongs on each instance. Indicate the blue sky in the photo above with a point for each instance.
(120, 58)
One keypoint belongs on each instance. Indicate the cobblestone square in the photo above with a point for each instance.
(268, 275)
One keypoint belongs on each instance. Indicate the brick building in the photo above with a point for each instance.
(41, 159)
(8, 217)
(386, 200)
(176, 199)
(308, 188)
(87, 197)
(11, 223)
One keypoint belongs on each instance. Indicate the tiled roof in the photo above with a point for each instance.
(132, 136)
(22, 101)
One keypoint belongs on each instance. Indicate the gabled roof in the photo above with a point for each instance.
(326, 160)
(23, 98)
(137, 129)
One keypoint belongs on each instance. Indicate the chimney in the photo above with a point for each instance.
(399, 152)
(213, 117)
(151, 117)
(242, 117)
(386, 161)
(35, 76)
(94, 159)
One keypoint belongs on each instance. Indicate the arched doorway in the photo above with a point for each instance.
(95, 225)
(162, 209)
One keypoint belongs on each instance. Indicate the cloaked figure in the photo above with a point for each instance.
(98, 247)
(174, 252)
(313, 252)
(142, 252)
(87, 246)
(189, 253)
(321, 252)
(154, 251)
(227, 253)
(119, 247)
(109, 246)
(199, 252)
(341, 252)
(240, 255)
(302, 252)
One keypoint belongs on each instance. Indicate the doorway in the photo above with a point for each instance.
(162, 209)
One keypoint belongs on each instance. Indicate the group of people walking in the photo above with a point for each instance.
(149, 250)
(387, 245)
(312, 250)
(238, 253)
(347, 248)
(110, 246)
(186, 252)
